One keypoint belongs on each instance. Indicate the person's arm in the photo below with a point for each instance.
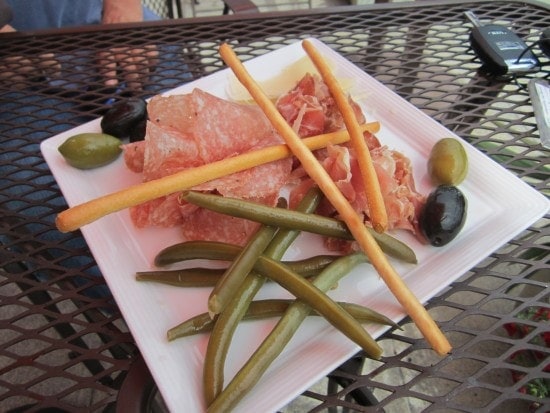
(6, 28)
(132, 64)
(5, 17)
(17, 70)
(122, 11)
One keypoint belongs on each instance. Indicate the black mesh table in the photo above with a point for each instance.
(64, 344)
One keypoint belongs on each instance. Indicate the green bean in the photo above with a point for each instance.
(262, 309)
(274, 343)
(188, 277)
(320, 302)
(227, 320)
(268, 215)
(203, 323)
(193, 250)
(307, 205)
(311, 266)
(208, 277)
(366, 314)
(213, 250)
(234, 276)
(295, 219)
(220, 338)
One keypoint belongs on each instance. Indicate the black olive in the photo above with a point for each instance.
(126, 118)
(444, 215)
(138, 131)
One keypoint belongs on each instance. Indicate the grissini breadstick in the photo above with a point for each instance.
(406, 298)
(375, 200)
(85, 213)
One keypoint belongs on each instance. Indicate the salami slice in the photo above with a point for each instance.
(205, 225)
(186, 131)
(225, 128)
(134, 154)
(167, 151)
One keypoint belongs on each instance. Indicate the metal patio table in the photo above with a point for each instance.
(64, 344)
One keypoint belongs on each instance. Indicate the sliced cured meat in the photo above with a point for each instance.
(167, 151)
(302, 106)
(220, 128)
(310, 109)
(161, 212)
(186, 131)
(198, 128)
(191, 130)
(134, 154)
(172, 112)
(258, 182)
(403, 202)
(226, 128)
(205, 225)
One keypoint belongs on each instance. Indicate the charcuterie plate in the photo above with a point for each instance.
(500, 206)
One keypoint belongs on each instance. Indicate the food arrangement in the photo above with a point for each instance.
(309, 108)
(184, 132)
(151, 310)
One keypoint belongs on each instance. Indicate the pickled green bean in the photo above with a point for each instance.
(274, 343)
(262, 309)
(295, 219)
(208, 277)
(213, 250)
(320, 302)
(234, 276)
(222, 332)
(227, 320)
(311, 266)
(188, 277)
(196, 250)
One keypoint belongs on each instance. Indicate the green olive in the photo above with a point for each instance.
(448, 162)
(90, 150)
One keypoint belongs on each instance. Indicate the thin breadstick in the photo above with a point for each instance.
(413, 307)
(375, 200)
(82, 214)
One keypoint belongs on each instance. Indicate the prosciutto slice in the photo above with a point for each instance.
(310, 109)
(394, 171)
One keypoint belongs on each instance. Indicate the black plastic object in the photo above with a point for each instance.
(544, 42)
(500, 50)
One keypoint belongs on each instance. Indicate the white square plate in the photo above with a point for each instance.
(500, 206)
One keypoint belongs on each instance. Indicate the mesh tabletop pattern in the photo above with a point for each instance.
(64, 343)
